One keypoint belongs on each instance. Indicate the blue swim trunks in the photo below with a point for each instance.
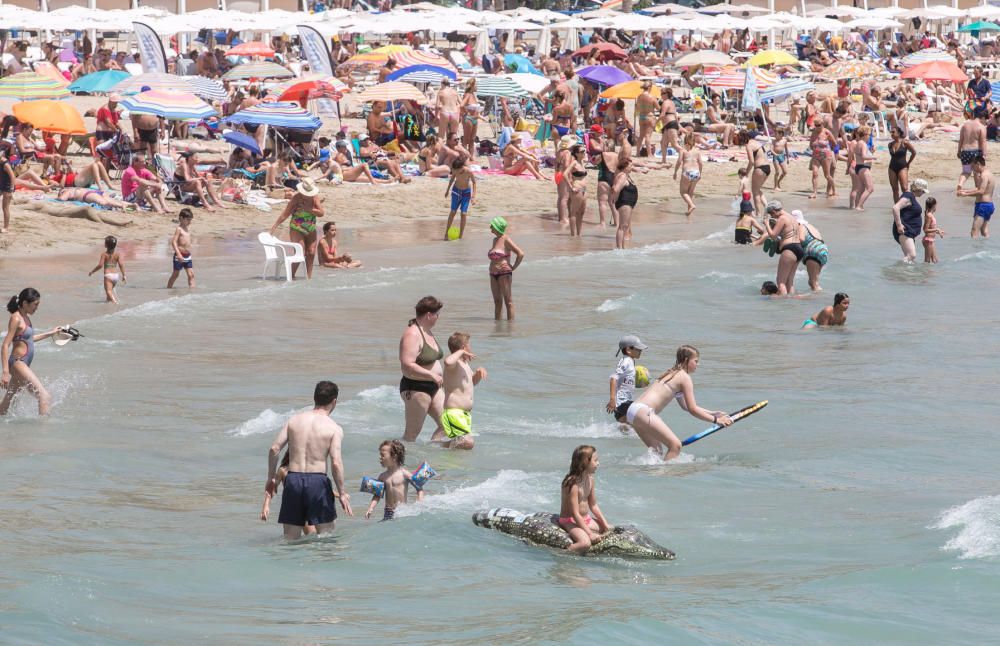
(182, 263)
(307, 500)
(984, 210)
(460, 199)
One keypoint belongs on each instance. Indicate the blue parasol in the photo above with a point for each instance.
(241, 140)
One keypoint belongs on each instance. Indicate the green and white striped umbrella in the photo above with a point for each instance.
(31, 85)
(499, 86)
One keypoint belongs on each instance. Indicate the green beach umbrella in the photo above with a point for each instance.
(981, 25)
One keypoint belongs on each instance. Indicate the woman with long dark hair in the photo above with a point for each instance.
(18, 351)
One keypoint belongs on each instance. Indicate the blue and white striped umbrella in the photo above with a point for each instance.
(995, 94)
(208, 89)
(279, 114)
(786, 88)
(422, 74)
(169, 105)
(926, 56)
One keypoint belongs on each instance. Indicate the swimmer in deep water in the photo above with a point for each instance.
(831, 315)
(675, 383)
(578, 510)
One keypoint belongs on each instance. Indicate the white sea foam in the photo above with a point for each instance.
(509, 487)
(651, 458)
(979, 528)
(979, 255)
(267, 422)
(718, 276)
(555, 428)
(613, 304)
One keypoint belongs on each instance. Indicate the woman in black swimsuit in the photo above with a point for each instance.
(671, 126)
(899, 163)
(785, 231)
(419, 361)
(759, 167)
(606, 162)
(625, 196)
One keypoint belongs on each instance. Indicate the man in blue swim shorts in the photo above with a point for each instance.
(307, 504)
(983, 210)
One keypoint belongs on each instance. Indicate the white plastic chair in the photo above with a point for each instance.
(280, 253)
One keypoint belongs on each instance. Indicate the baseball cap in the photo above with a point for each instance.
(774, 205)
(630, 341)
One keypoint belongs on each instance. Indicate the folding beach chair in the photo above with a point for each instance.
(166, 169)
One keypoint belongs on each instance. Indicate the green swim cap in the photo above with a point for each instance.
(499, 225)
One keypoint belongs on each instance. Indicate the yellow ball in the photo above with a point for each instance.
(641, 376)
(453, 233)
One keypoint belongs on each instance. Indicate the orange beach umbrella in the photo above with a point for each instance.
(54, 116)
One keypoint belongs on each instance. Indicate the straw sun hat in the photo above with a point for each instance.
(307, 187)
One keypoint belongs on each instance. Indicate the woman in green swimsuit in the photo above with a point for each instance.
(420, 362)
(304, 207)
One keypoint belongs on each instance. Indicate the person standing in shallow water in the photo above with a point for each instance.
(982, 212)
(18, 350)
(307, 504)
(420, 362)
(501, 270)
(907, 220)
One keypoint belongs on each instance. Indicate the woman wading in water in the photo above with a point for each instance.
(420, 362)
(18, 350)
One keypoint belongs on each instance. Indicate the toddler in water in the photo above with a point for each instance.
(779, 154)
(109, 261)
(745, 185)
(579, 508)
(930, 230)
(623, 379)
(328, 250)
(391, 455)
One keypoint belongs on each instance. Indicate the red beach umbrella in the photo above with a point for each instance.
(251, 49)
(606, 51)
(936, 71)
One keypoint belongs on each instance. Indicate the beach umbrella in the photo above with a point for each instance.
(995, 92)
(98, 81)
(280, 115)
(628, 90)
(390, 50)
(422, 74)
(482, 47)
(606, 51)
(241, 140)
(499, 86)
(773, 57)
(258, 70)
(412, 57)
(786, 88)
(368, 59)
(572, 38)
(30, 85)
(926, 56)
(49, 70)
(737, 80)
(54, 116)
(519, 64)
(936, 71)
(851, 70)
(702, 58)
(251, 49)
(603, 75)
(153, 81)
(169, 105)
(980, 25)
(301, 91)
(206, 88)
(392, 91)
(532, 83)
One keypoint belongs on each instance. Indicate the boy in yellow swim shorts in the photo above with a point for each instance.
(459, 381)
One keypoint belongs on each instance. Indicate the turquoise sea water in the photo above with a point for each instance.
(861, 506)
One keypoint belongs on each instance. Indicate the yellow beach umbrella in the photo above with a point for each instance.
(370, 59)
(54, 116)
(628, 90)
(392, 91)
(773, 57)
(389, 50)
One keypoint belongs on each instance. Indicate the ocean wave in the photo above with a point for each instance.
(267, 422)
(555, 428)
(613, 304)
(509, 487)
(979, 528)
(645, 250)
(652, 459)
(979, 255)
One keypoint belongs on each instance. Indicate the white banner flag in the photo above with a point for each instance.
(151, 52)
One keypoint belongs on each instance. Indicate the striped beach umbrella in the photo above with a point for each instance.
(995, 92)
(154, 81)
(926, 56)
(368, 59)
(49, 70)
(532, 83)
(499, 86)
(852, 70)
(422, 74)
(206, 88)
(258, 70)
(251, 49)
(30, 85)
(392, 91)
(169, 105)
(316, 86)
(786, 88)
(98, 82)
(280, 115)
(419, 57)
(390, 50)
(732, 80)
